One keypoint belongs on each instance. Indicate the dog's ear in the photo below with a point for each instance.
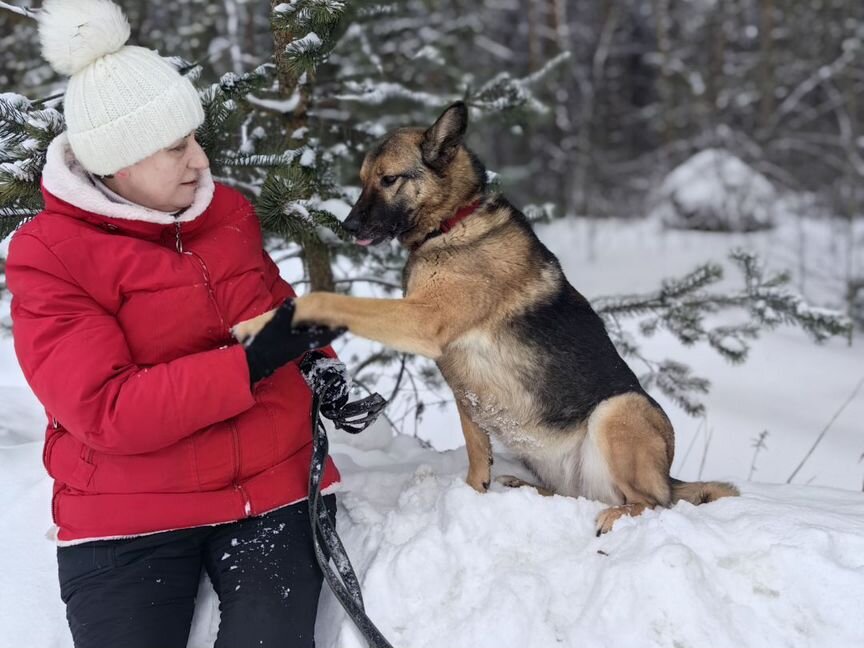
(443, 138)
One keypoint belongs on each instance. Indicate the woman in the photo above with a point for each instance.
(172, 448)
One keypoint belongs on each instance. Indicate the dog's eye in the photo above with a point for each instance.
(387, 181)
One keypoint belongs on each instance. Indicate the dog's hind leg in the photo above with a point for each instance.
(479, 451)
(635, 439)
(511, 481)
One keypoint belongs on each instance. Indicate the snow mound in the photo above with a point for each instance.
(715, 191)
(442, 565)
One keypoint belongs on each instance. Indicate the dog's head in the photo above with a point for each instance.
(415, 179)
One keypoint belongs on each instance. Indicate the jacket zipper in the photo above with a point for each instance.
(235, 478)
(235, 440)
(247, 503)
(205, 272)
(209, 286)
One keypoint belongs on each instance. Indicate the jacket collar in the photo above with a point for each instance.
(65, 180)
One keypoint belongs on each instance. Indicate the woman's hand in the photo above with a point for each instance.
(328, 378)
(278, 342)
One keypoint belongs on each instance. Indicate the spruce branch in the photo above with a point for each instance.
(683, 306)
(309, 30)
(504, 92)
(286, 205)
(374, 11)
(26, 130)
(676, 381)
(285, 158)
(223, 102)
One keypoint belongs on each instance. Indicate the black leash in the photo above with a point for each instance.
(345, 585)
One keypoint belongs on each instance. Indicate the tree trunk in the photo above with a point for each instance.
(766, 62)
(535, 47)
(716, 57)
(316, 254)
(664, 49)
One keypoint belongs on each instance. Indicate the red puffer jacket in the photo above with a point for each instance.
(121, 327)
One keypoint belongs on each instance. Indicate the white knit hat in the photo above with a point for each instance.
(123, 103)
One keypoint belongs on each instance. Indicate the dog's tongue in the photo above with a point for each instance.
(363, 242)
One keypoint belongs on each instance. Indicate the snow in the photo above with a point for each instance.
(441, 565)
(284, 106)
(15, 100)
(284, 7)
(431, 53)
(445, 566)
(324, 370)
(18, 169)
(374, 93)
(309, 43)
(307, 159)
(714, 190)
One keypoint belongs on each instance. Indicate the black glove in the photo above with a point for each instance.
(328, 378)
(278, 343)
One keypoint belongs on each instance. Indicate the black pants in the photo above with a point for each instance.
(140, 592)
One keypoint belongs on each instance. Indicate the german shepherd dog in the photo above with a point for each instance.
(529, 361)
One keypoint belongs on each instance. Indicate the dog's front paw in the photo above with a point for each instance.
(245, 331)
(478, 483)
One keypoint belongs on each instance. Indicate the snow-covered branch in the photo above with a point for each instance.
(375, 93)
(22, 11)
(682, 306)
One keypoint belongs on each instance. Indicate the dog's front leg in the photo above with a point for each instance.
(407, 325)
(479, 452)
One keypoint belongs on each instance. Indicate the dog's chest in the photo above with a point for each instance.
(483, 371)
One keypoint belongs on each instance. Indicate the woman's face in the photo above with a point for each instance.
(165, 181)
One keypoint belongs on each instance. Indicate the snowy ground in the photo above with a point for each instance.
(442, 566)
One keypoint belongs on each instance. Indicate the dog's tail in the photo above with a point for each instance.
(701, 492)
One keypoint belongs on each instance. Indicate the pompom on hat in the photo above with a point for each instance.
(123, 103)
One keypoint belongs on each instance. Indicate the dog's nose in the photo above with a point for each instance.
(352, 223)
